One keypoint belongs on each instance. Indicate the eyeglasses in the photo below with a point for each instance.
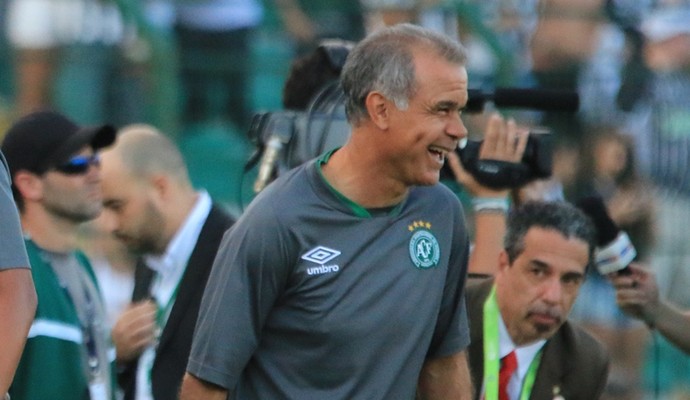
(79, 164)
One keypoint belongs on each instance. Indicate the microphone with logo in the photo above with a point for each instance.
(615, 251)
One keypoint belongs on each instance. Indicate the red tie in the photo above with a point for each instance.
(508, 367)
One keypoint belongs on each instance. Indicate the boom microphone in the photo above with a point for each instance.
(533, 99)
(281, 133)
(614, 249)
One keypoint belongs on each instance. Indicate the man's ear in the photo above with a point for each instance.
(29, 185)
(160, 185)
(378, 108)
(503, 261)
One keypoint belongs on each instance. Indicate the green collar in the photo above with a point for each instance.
(358, 210)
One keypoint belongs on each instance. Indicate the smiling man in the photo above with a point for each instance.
(345, 277)
(519, 319)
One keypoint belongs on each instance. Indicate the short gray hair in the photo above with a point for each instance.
(384, 62)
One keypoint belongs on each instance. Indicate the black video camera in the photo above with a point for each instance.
(293, 137)
(536, 163)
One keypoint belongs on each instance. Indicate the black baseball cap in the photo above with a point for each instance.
(44, 139)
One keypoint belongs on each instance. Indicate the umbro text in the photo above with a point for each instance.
(322, 269)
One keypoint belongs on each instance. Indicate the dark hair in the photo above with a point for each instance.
(313, 72)
(559, 216)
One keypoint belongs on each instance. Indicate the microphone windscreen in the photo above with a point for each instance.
(475, 101)
(537, 99)
(615, 251)
(594, 207)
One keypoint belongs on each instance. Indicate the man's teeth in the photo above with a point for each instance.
(440, 153)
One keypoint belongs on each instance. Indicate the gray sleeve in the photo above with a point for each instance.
(248, 276)
(12, 250)
(452, 333)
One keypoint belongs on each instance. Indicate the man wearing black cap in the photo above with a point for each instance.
(17, 293)
(56, 184)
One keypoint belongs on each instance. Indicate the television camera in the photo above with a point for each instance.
(286, 139)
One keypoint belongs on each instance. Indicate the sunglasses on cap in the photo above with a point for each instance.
(79, 164)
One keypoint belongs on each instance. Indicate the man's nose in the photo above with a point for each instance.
(455, 127)
(553, 290)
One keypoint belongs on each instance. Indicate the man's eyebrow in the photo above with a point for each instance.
(573, 275)
(446, 104)
(539, 264)
(111, 202)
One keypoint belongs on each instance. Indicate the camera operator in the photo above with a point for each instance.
(314, 72)
(503, 141)
(313, 120)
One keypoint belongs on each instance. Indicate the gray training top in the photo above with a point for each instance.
(12, 250)
(310, 297)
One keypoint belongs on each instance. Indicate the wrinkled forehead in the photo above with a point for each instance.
(553, 248)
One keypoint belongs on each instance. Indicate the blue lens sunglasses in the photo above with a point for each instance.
(78, 165)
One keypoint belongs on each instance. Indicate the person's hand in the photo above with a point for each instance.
(467, 180)
(134, 330)
(503, 141)
(637, 293)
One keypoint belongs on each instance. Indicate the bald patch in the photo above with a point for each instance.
(145, 151)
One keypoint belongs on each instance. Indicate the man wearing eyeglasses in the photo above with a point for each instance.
(54, 167)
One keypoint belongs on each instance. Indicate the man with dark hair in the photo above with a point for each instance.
(522, 343)
(54, 165)
(345, 277)
(314, 73)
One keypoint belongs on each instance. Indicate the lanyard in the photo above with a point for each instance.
(492, 357)
(98, 386)
(163, 311)
(144, 389)
(87, 315)
(89, 335)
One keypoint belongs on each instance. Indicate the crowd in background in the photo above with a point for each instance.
(196, 68)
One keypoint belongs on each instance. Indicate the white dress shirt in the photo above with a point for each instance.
(170, 267)
(525, 356)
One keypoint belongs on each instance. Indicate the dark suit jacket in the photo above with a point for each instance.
(176, 338)
(572, 360)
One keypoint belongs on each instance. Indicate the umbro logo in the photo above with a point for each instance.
(321, 255)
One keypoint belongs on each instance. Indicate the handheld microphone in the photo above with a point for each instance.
(534, 99)
(614, 248)
(281, 132)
